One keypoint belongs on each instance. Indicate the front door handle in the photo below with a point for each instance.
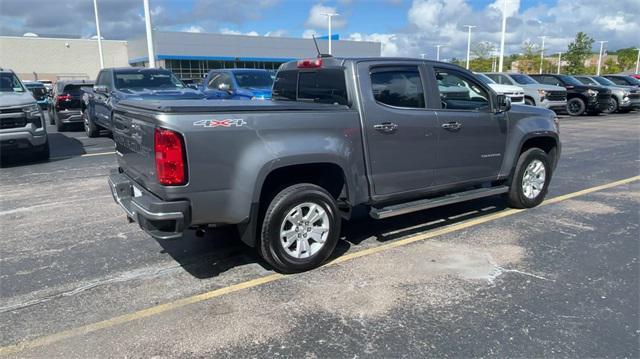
(452, 126)
(386, 127)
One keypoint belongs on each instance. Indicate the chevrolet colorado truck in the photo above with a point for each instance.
(581, 98)
(338, 133)
(128, 83)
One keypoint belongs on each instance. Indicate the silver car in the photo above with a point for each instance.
(22, 126)
(623, 98)
(535, 94)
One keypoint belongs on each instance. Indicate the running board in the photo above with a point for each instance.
(403, 208)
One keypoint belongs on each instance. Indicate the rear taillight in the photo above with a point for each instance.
(64, 97)
(170, 160)
(310, 63)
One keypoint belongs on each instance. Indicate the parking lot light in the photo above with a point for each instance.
(600, 56)
(95, 10)
(559, 61)
(147, 20)
(438, 52)
(542, 52)
(329, 16)
(468, 43)
(504, 30)
(638, 62)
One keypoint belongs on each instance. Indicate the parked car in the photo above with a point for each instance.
(514, 93)
(635, 76)
(40, 93)
(238, 84)
(22, 125)
(624, 80)
(535, 94)
(116, 84)
(580, 98)
(67, 102)
(623, 98)
(48, 84)
(287, 171)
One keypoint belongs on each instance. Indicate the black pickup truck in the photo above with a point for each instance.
(338, 133)
(581, 98)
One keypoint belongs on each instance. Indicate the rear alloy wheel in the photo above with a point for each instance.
(576, 106)
(301, 228)
(530, 180)
(613, 106)
(90, 128)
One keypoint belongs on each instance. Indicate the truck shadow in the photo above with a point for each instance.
(221, 249)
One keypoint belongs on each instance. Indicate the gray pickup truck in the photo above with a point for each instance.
(338, 133)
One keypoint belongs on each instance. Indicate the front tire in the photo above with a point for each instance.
(613, 106)
(90, 128)
(301, 228)
(576, 106)
(530, 181)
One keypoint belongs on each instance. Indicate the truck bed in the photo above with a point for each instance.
(217, 106)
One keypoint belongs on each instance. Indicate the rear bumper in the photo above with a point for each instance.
(72, 116)
(160, 219)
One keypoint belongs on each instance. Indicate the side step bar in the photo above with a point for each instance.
(419, 205)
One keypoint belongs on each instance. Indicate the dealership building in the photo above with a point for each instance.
(189, 55)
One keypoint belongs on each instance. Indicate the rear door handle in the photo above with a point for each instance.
(452, 126)
(386, 127)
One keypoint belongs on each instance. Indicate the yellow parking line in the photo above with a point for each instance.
(158, 309)
(98, 154)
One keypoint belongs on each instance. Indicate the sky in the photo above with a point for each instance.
(404, 27)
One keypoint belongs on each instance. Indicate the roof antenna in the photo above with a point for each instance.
(320, 55)
(316, 43)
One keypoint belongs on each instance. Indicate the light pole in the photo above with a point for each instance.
(559, 61)
(147, 20)
(542, 52)
(504, 31)
(438, 52)
(469, 43)
(638, 62)
(329, 16)
(95, 10)
(600, 56)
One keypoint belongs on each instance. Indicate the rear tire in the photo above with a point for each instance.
(301, 228)
(530, 181)
(576, 106)
(90, 128)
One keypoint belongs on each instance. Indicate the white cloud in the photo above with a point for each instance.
(193, 28)
(317, 20)
(388, 41)
(307, 34)
(227, 31)
(277, 33)
(512, 6)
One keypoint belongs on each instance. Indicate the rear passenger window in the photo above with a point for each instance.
(457, 92)
(324, 86)
(398, 86)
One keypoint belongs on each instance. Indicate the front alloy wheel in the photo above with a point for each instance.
(530, 180)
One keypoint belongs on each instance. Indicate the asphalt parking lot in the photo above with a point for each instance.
(468, 280)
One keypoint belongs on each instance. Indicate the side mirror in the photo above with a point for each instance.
(224, 87)
(504, 104)
(101, 89)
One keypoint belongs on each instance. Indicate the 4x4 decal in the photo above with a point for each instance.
(221, 123)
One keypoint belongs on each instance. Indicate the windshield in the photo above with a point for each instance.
(10, 83)
(570, 80)
(587, 81)
(147, 80)
(486, 79)
(76, 90)
(253, 79)
(604, 81)
(523, 79)
(634, 80)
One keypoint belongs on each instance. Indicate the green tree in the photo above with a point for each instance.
(612, 67)
(482, 57)
(627, 58)
(578, 51)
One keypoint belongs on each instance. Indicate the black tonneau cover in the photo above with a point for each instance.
(181, 106)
